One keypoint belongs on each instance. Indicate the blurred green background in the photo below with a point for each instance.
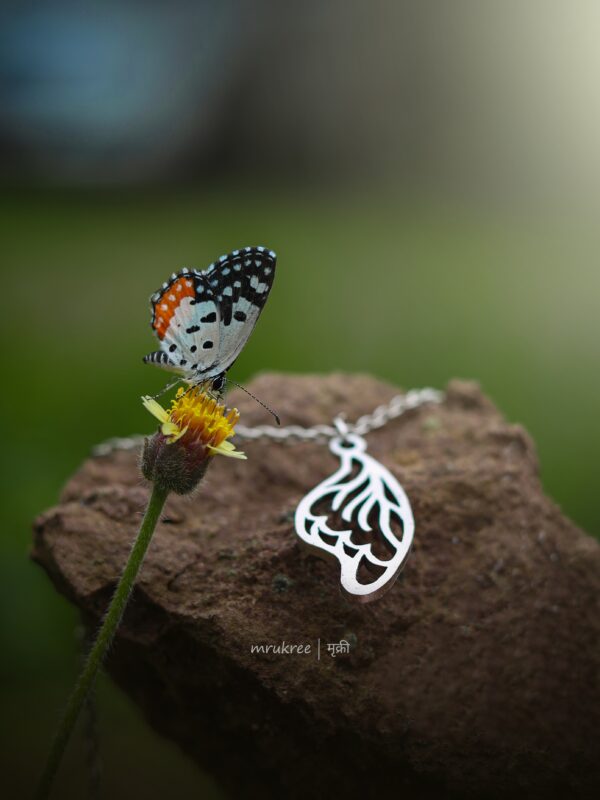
(409, 267)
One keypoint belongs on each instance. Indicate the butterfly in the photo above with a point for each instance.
(203, 318)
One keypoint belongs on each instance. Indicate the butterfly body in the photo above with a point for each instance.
(203, 318)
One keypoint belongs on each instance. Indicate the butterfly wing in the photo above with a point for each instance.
(240, 282)
(204, 318)
(185, 320)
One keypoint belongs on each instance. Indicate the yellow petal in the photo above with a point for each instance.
(172, 431)
(155, 409)
(227, 449)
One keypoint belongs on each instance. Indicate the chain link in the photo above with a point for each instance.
(109, 446)
(383, 414)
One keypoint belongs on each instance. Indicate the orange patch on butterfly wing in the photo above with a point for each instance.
(168, 302)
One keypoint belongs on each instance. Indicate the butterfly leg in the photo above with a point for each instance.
(167, 387)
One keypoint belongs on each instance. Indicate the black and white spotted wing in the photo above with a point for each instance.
(203, 318)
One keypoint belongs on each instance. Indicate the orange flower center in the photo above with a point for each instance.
(206, 420)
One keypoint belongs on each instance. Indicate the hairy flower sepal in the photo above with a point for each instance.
(192, 431)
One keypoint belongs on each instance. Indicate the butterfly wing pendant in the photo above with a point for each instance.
(361, 517)
(203, 318)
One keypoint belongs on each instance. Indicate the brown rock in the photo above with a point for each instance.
(477, 674)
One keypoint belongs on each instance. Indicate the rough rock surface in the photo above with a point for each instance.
(476, 675)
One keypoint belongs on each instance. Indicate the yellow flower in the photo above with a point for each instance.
(196, 418)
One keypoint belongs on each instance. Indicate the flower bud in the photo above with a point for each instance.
(177, 467)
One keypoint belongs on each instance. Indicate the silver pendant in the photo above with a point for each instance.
(364, 500)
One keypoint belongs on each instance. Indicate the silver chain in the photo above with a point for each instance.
(383, 414)
(368, 422)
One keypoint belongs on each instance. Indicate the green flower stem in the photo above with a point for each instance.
(103, 640)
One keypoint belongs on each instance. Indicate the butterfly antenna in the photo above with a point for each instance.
(260, 402)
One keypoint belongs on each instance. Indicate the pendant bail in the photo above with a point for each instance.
(341, 426)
